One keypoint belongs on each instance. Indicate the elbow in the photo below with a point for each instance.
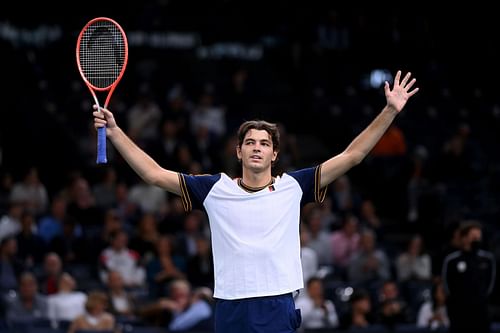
(356, 158)
(151, 178)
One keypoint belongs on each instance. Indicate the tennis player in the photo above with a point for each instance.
(254, 220)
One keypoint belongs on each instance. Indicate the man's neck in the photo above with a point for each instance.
(256, 179)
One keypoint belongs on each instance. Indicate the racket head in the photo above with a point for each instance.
(102, 53)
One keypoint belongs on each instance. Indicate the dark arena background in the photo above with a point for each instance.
(196, 70)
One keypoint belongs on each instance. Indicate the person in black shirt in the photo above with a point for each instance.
(468, 279)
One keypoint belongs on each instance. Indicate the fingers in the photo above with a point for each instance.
(387, 88)
(405, 79)
(397, 78)
(413, 92)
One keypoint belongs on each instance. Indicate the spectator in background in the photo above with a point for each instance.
(414, 271)
(10, 222)
(369, 218)
(360, 313)
(208, 115)
(163, 310)
(193, 229)
(309, 257)
(414, 263)
(96, 317)
(145, 236)
(432, 313)
(122, 303)
(200, 267)
(28, 304)
(392, 308)
(320, 240)
(104, 191)
(31, 192)
(317, 311)
(370, 265)
(392, 143)
(198, 315)
(52, 272)
(70, 245)
(81, 202)
(51, 225)
(67, 303)
(119, 257)
(150, 199)
(345, 242)
(468, 280)
(31, 246)
(126, 209)
(344, 198)
(143, 118)
(163, 267)
(10, 265)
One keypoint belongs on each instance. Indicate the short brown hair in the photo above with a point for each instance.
(260, 125)
(96, 297)
(467, 226)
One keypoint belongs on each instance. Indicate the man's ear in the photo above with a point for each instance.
(238, 152)
(275, 156)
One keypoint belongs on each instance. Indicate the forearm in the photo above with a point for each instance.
(358, 148)
(142, 163)
(368, 138)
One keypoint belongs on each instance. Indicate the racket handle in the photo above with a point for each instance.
(101, 145)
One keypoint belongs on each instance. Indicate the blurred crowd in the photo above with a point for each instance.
(92, 246)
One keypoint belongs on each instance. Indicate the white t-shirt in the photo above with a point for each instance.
(66, 306)
(255, 236)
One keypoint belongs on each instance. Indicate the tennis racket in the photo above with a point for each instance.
(101, 56)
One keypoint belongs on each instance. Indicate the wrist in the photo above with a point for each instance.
(391, 110)
(113, 132)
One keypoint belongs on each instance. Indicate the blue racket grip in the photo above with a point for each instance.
(101, 145)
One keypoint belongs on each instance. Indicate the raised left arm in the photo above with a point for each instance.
(360, 147)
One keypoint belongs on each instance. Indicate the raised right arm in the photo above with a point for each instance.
(139, 161)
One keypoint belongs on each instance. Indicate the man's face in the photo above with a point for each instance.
(474, 235)
(256, 152)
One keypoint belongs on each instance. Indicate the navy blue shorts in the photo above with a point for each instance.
(270, 314)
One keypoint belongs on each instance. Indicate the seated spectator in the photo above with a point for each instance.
(67, 303)
(95, 318)
(10, 222)
(163, 267)
(52, 271)
(320, 239)
(393, 309)
(31, 191)
(122, 302)
(10, 266)
(51, 224)
(414, 263)
(145, 236)
(198, 315)
(31, 247)
(120, 258)
(317, 312)
(432, 313)
(309, 257)
(345, 242)
(162, 311)
(200, 267)
(28, 304)
(369, 265)
(360, 313)
(71, 245)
